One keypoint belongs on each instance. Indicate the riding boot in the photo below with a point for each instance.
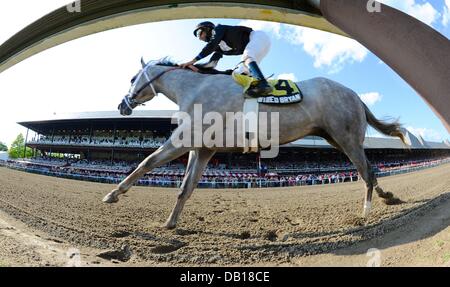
(262, 87)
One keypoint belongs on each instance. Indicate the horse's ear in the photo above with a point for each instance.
(143, 62)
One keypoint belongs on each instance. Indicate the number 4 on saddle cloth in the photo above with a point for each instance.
(284, 91)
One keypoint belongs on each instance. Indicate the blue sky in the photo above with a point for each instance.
(93, 73)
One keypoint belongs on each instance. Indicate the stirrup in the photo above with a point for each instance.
(252, 93)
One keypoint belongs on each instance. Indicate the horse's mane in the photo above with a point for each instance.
(166, 61)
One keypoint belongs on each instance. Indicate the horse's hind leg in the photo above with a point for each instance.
(166, 153)
(198, 159)
(355, 152)
(357, 156)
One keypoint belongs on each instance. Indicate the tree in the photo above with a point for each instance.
(17, 148)
(3, 147)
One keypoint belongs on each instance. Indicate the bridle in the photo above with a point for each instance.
(129, 99)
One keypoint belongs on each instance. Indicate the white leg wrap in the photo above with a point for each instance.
(250, 125)
(367, 207)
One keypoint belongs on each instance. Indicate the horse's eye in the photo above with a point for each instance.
(134, 79)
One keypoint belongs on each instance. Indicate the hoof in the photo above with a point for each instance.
(388, 195)
(111, 198)
(360, 221)
(170, 226)
(357, 221)
(393, 201)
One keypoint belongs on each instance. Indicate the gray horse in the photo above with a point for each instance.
(328, 110)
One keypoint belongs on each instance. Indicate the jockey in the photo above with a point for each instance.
(235, 40)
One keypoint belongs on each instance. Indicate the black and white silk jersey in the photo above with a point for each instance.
(226, 40)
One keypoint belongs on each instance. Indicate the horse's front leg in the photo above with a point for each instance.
(198, 160)
(166, 153)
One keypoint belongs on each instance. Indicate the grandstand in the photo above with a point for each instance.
(104, 146)
(100, 135)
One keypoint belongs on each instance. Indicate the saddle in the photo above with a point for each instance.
(284, 91)
(212, 71)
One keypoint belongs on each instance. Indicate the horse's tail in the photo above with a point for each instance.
(392, 129)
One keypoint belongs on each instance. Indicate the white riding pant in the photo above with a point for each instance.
(257, 48)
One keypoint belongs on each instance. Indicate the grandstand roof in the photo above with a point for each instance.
(162, 119)
(103, 115)
(102, 119)
(414, 142)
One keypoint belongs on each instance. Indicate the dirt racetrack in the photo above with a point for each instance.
(295, 226)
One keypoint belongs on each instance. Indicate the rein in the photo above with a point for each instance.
(129, 101)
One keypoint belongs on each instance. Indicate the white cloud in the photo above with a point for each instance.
(371, 98)
(446, 13)
(426, 133)
(328, 50)
(271, 27)
(289, 76)
(334, 51)
(425, 12)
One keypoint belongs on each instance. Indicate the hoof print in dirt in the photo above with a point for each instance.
(357, 221)
(184, 232)
(122, 255)
(271, 235)
(120, 234)
(244, 235)
(165, 249)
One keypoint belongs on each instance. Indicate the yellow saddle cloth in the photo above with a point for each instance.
(284, 91)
